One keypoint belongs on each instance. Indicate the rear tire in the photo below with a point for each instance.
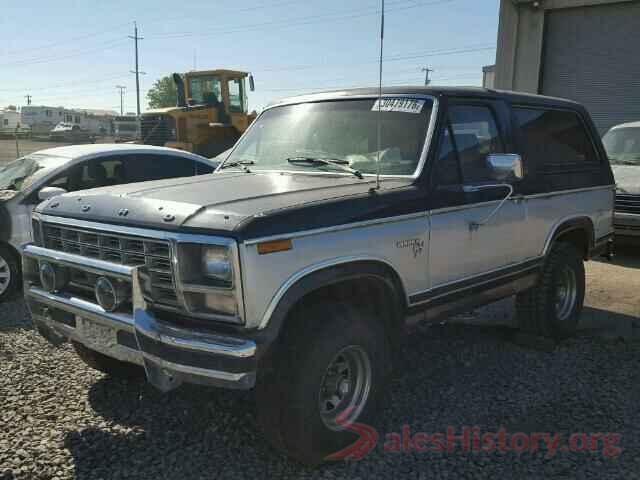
(553, 307)
(333, 362)
(110, 366)
(10, 274)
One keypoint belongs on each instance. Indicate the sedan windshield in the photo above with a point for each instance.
(623, 145)
(20, 174)
(345, 131)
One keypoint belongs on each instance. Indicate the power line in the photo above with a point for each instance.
(62, 42)
(294, 22)
(391, 58)
(67, 85)
(48, 59)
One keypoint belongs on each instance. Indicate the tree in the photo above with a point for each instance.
(12, 108)
(163, 93)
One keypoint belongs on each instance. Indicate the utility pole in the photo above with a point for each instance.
(122, 88)
(28, 97)
(427, 80)
(137, 70)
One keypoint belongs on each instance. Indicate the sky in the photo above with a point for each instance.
(73, 53)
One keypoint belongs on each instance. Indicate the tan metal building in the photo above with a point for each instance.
(585, 50)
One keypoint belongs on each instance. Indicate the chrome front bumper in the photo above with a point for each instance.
(170, 355)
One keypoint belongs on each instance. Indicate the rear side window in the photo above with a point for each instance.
(143, 168)
(554, 137)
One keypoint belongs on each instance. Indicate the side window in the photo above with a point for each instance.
(101, 173)
(447, 166)
(203, 169)
(471, 134)
(60, 182)
(475, 134)
(235, 96)
(143, 168)
(558, 137)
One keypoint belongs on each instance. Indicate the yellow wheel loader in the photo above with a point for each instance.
(210, 115)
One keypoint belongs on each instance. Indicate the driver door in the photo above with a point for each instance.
(466, 193)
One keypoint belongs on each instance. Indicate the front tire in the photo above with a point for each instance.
(331, 369)
(553, 307)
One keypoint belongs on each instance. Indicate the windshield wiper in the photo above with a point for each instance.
(320, 161)
(239, 163)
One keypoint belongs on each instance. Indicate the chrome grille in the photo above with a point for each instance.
(152, 256)
(627, 203)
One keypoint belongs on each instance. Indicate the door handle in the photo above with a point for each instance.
(477, 188)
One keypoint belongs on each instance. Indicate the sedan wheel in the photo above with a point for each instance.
(5, 275)
(9, 273)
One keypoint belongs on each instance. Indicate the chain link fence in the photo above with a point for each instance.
(12, 146)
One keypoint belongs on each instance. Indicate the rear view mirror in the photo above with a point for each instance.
(49, 192)
(506, 166)
(252, 85)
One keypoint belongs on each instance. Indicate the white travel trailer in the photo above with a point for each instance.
(42, 119)
(9, 119)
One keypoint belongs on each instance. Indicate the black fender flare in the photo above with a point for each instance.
(334, 274)
(581, 223)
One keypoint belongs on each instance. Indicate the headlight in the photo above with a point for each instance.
(209, 281)
(206, 265)
(216, 264)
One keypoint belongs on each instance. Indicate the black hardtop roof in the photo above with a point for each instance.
(435, 91)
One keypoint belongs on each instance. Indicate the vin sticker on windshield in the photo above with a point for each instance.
(404, 105)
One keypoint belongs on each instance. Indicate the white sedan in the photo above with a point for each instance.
(46, 173)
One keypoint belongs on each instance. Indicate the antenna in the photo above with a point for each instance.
(380, 99)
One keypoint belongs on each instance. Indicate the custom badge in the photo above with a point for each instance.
(416, 244)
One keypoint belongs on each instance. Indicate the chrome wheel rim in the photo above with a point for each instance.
(345, 387)
(566, 292)
(5, 275)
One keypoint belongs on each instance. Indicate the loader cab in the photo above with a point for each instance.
(211, 111)
(218, 88)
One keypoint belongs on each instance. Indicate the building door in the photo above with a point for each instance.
(590, 55)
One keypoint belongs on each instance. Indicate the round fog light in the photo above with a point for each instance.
(52, 278)
(109, 296)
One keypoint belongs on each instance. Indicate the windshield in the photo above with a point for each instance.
(623, 145)
(20, 174)
(205, 90)
(344, 130)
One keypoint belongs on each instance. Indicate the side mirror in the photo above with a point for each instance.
(252, 84)
(506, 166)
(49, 192)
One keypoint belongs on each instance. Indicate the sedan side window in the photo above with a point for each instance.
(101, 173)
(143, 168)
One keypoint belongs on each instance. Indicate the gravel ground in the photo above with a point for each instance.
(59, 419)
